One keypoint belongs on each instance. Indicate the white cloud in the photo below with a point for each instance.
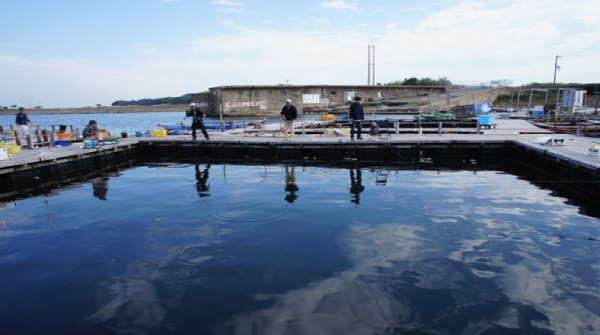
(227, 3)
(466, 41)
(230, 6)
(339, 4)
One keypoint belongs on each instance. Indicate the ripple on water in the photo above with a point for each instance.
(249, 211)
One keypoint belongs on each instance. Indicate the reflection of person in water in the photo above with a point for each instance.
(202, 178)
(100, 186)
(290, 184)
(356, 186)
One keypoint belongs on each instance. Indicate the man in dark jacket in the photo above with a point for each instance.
(22, 121)
(289, 114)
(197, 120)
(356, 116)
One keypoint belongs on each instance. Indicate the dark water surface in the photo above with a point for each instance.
(283, 249)
(130, 122)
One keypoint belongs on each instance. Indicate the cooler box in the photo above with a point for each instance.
(538, 113)
(486, 120)
(159, 133)
(11, 149)
(64, 136)
(594, 149)
(89, 144)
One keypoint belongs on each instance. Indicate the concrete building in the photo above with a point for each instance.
(253, 100)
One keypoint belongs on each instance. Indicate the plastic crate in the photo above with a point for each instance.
(64, 136)
(159, 133)
(486, 120)
(11, 149)
(61, 143)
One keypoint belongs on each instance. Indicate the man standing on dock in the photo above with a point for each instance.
(22, 121)
(197, 121)
(289, 113)
(356, 116)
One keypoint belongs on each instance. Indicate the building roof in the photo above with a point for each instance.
(241, 87)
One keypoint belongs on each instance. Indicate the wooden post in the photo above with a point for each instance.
(29, 141)
(40, 138)
(17, 139)
(72, 130)
(52, 139)
(478, 127)
(439, 127)
(233, 125)
(77, 133)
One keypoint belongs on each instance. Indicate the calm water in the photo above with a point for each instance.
(224, 249)
(132, 122)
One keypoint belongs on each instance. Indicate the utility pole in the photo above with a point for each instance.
(556, 67)
(371, 65)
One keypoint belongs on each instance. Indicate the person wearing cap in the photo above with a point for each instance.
(197, 120)
(356, 116)
(288, 114)
(92, 133)
(22, 121)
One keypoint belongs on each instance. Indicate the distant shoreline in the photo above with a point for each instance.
(100, 110)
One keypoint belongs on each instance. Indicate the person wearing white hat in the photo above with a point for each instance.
(288, 114)
(197, 120)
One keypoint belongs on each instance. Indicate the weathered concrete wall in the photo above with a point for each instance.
(480, 98)
(252, 100)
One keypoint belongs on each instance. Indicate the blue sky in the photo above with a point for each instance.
(81, 53)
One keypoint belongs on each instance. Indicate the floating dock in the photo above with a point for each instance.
(518, 140)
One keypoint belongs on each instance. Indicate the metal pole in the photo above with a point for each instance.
(530, 97)
(369, 65)
(555, 67)
(373, 64)
(556, 109)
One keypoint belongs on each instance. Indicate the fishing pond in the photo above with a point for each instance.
(213, 248)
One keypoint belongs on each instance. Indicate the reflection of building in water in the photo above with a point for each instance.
(290, 184)
(201, 179)
(356, 186)
(100, 186)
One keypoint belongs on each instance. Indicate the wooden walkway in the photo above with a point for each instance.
(521, 133)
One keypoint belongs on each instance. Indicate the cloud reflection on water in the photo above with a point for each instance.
(500, 275)
(468, 261)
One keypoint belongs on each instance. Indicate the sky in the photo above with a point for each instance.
(61, 53)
